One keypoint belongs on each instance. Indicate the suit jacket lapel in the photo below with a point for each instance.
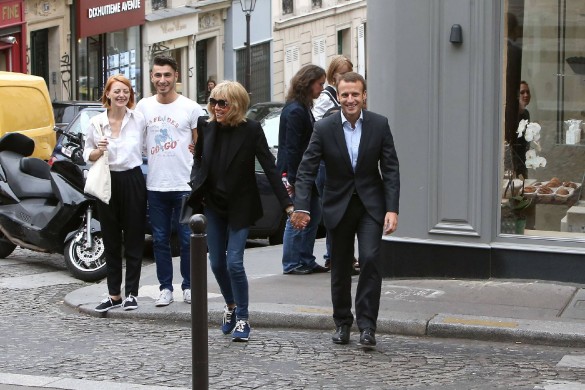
(364, 140)
(238, 138)
(339, 136)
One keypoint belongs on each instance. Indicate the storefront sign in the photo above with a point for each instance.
(102, 16)
(10, 13)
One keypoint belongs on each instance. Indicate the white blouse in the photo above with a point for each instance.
(125, 151)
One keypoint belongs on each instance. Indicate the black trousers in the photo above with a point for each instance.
(122, 222)
(356, 220)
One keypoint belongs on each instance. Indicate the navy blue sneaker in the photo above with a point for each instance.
(108, 304)
(242, 331)
(229, 320)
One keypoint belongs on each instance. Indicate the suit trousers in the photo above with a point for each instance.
(122, 222)
(356, 220)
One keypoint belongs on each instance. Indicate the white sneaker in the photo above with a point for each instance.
(187, 295)
(165, 298)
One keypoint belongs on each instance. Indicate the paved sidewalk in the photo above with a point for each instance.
(501, 310)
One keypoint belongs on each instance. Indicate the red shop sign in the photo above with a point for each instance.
(102, 16)
(11, 13)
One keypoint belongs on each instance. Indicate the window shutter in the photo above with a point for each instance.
(319, 57)
(361, 49)
(292, 64)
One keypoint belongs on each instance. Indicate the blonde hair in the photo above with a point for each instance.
(238, 100)
(118, 77)
(336, 63)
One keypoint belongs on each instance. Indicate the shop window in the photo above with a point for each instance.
(544, 106)
(260, 82)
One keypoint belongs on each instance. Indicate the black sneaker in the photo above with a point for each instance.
(108, 304)
(130, 303)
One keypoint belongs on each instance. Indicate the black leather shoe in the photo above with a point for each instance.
(341, 336)
(301, 270)
(368, 339)
(318, 269)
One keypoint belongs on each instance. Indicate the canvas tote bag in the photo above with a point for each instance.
(98, 182)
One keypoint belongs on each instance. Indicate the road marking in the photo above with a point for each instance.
(465, 321)
(314, 310)
(573, 361)
(403, 292)
(73, 384)
(37, 280)
(560, 385)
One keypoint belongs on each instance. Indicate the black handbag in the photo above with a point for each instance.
(186, 210)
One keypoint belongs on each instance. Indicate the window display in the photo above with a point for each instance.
(544, 107)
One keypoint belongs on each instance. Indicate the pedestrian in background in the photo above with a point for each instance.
(361, 197)
(210, 85)
(296, 127)
(225, 183)
(122, 219)
(325, 105)
(171, 127)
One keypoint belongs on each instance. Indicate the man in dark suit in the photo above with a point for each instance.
(361, 197)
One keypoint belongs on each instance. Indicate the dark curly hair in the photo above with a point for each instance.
(300, 84)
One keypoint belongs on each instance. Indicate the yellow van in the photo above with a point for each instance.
(25, 107)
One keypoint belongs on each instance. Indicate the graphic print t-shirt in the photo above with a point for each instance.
(168, 135)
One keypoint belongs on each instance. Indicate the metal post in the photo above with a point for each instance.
(199, 334)
(248, 54)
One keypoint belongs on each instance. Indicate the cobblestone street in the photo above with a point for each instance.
(39, 335)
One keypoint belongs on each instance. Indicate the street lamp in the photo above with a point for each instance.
(248, 8)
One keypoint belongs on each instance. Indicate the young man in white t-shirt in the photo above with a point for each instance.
(171, 126)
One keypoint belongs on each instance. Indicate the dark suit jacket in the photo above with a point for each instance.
(294, 133)
(376, 179)
(249, 143)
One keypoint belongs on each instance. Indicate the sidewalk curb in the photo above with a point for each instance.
(443, 325)
(540, 332)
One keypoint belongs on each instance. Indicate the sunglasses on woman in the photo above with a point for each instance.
(221, 103)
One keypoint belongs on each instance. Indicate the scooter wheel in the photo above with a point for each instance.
(87, 264)
(6, 247)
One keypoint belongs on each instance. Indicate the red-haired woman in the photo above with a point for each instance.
(120, 131)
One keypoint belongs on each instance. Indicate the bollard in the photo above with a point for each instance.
(199, 334)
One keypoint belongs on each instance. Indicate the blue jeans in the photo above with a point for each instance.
(226, 255)
(297, 245)
(164, 210)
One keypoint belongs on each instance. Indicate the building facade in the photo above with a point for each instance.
(313, 31)
(491, 181)
(12, 36)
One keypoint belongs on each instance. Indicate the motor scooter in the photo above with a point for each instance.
(44, 209)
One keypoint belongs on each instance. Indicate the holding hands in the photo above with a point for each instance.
(299, 220)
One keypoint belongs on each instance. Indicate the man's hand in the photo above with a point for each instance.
(390, 223)
(299, 220)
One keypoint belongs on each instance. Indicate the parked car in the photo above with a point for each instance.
(70, 147)
(65, 111)
(268, 114)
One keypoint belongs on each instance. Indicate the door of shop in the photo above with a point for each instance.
(40, 53)
(5, 59)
